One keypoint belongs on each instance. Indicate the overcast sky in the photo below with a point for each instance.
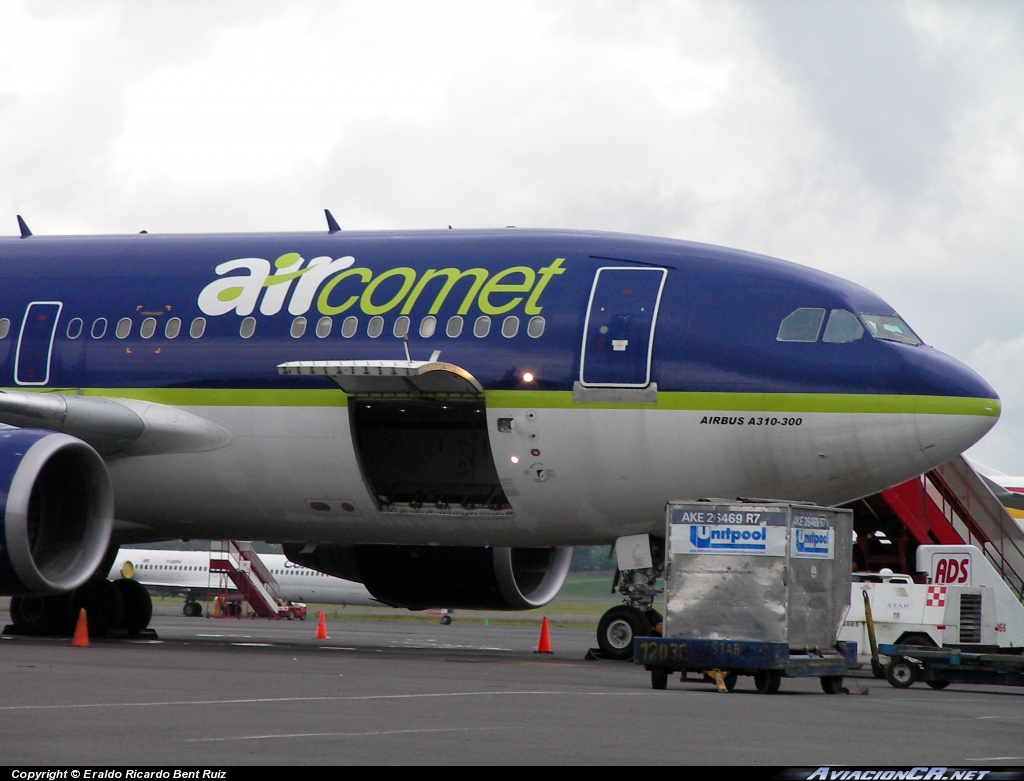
(880, 141)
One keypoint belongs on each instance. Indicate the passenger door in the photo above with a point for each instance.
(35, 343)
(619, 333)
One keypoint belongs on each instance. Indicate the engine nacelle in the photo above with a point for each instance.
(56, 512)
(420, 576)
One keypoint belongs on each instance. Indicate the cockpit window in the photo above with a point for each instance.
(801, 326)
(890, 328)
(842, 327)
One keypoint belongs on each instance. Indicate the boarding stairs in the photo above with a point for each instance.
(950, 505)
(243, 566)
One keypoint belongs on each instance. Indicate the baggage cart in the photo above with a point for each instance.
(753, 588)
(939, 667)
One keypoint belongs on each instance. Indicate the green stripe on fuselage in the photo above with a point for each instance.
(525, 399)
(765, 402)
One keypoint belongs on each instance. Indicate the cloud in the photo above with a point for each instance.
(883, 142)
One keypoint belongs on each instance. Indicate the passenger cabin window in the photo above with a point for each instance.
(99, 328)
(298, 327)
(5, 327)
(890, 328)
(535, 328)
(427, 326)
(349, 327)
(375, 327)
(74, 328)
(247, 328)
(173, 328)
(323, 327)
(802, 325)
(510, 327)
(401, 329)
(482, 326)
(842, 327)
(124, 328)
(198, 327)
(454, 329)
(148, 328)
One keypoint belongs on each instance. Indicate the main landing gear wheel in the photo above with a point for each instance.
(104, 607)
(616, 630)
(938, 685)
(901, 673)
(138, 605)
(192, 609)
(34, 615)
(767, 681)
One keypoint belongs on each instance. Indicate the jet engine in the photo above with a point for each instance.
(419, 576)
(56, 512)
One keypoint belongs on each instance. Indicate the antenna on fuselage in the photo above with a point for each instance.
(332, 224)
(25, 232)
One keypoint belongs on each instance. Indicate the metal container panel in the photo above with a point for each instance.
(768, 572)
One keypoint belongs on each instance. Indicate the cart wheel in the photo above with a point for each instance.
(832, 684)
(767, 681)
(730, 681)
(938, 684)
(901, 673)
(659, 678)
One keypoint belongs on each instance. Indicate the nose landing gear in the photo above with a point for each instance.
(641, 562)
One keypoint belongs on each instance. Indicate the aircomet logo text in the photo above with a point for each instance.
(336, 285)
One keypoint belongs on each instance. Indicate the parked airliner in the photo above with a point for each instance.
(438, 415)
(1009, 489)
(188, 573)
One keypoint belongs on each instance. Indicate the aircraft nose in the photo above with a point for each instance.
(954, 405)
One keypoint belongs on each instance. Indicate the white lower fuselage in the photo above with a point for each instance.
(292, 472)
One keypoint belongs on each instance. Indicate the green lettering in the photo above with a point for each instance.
(545, 273)
(322, 304)
(453, 275)
(494, 285)
(370, 308)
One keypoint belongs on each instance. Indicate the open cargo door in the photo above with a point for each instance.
(420, 434)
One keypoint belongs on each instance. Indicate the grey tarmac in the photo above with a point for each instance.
(234, 692)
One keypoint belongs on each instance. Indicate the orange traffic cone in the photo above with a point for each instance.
(321, 627)
(544, 646)
(81, 638)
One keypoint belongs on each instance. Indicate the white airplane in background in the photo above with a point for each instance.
(188, 572)
(1009, 490)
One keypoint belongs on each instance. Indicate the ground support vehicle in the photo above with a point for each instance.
(291, 610)
(961, 601)
(723, 661)
(939, 667)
